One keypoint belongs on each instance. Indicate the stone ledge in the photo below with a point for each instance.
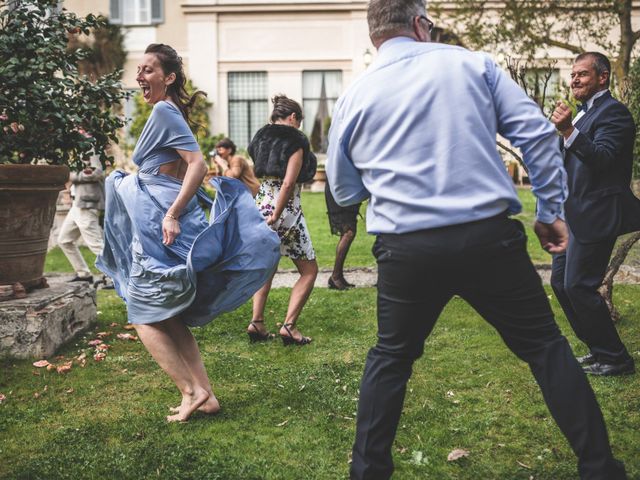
(36, 326)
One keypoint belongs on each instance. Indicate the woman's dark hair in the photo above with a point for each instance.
(171, 62)
(227, 143)
(283, 106)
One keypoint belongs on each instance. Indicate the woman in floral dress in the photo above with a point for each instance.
(283, 161)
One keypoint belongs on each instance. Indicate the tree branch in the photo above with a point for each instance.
(556, 43)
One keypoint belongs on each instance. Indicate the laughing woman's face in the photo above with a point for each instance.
(152, 79)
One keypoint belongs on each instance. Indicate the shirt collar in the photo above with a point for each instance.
(394, 41)
(593, 99)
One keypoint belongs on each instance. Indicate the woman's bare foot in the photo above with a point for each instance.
(211, 406)
(190, 403)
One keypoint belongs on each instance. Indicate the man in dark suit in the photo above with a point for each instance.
(598, 155)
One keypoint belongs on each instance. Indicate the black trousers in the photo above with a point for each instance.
(575, 278)
(487, 264)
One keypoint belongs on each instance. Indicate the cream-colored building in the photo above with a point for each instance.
(243, 52)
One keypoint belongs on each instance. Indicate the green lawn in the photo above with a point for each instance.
(288, 413)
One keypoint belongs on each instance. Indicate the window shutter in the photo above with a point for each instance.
(115, 11)
(157, 11)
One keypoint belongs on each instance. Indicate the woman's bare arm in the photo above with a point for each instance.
(288, 184)
(195, 172)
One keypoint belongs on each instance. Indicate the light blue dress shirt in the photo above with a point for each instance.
(416, 134)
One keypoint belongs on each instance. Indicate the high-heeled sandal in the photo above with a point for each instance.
(338, 286)
(256, 336)
(290, 340)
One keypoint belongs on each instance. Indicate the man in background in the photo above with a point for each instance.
(598, 157)
(83, 219)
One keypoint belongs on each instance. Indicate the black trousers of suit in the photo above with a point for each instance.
(487, 264)
(575, 278)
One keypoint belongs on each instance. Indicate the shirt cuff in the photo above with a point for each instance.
(548, 212)
(572, 137)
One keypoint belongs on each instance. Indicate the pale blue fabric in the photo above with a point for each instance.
(212, 267)
(165, 132)
(416, 134)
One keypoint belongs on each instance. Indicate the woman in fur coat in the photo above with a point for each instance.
(283, 161)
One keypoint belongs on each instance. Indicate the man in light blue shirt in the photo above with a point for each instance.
(416, 135)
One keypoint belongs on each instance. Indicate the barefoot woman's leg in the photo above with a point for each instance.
(164, 349)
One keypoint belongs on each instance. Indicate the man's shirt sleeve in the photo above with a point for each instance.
(520, 120)
(344, 178)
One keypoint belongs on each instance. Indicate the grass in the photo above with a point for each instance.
(288, 413)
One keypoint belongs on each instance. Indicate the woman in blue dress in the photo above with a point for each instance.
(172, 266)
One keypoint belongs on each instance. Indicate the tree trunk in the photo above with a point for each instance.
(606, 290)
(627, 40)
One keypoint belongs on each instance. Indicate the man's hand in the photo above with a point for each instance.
(561, 118)
(553, 236)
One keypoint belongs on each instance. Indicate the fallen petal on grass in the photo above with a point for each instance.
(127, 336)
(523, 465)
(95, 342)
(2, 397)
(282, 424)
(98, 357)
(41, 363)
(456, 454)
(65, 367)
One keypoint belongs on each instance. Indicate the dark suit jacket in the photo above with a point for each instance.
(601, 204)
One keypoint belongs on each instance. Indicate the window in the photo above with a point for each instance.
(248, 105)
(320, 91)
(136, 12)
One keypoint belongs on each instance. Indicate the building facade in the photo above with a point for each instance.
(243, 52)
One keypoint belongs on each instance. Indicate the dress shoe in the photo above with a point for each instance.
(610, 369)
(587, 359)
(82, 279)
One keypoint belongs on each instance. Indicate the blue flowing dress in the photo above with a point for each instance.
(212, 267)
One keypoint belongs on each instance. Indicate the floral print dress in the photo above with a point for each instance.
(291, 227)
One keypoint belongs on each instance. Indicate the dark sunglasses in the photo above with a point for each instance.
(430, 24)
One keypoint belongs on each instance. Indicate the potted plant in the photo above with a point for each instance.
(51, 118)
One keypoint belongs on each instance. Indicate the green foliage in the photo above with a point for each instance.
(104, 50)
(528, 28)
(634, 106)
(48, 110)
(198, 117)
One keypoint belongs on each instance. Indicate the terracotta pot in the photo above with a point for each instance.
(28, 195)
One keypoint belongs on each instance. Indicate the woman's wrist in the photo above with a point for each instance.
(171, 216)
